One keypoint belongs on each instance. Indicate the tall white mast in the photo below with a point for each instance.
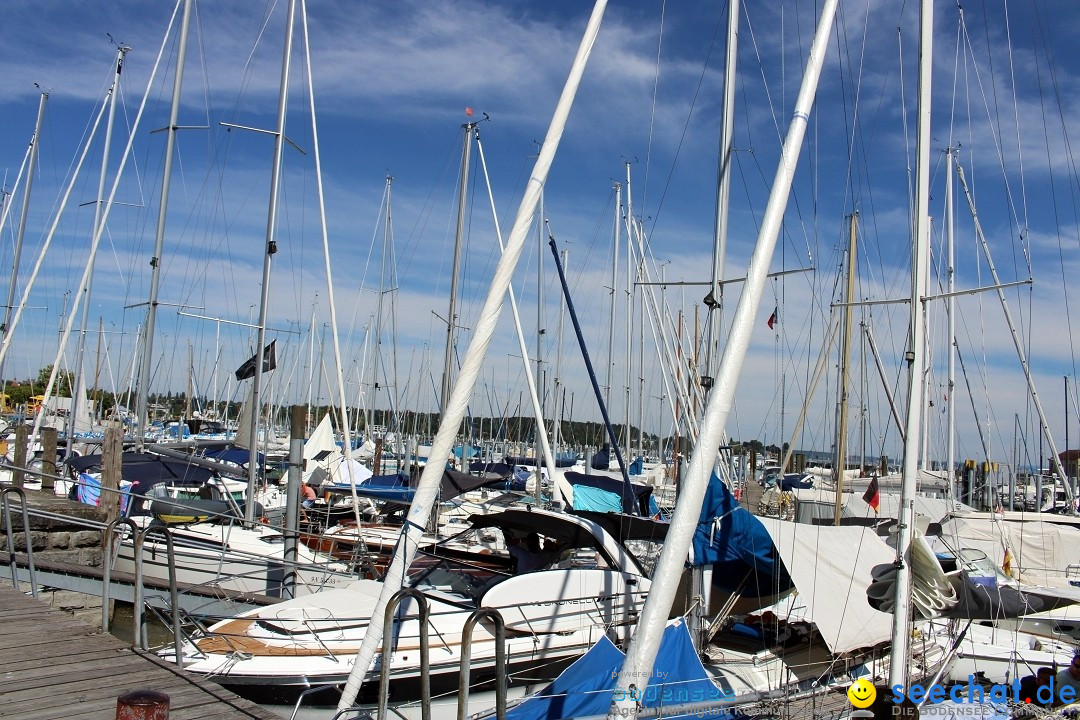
(901, 636)
(379, 306)
(539, 428)
(950, 402)
(20, 233)
(630, 229)
(615, 240)
(451, 317)
(159, 236)
(840, 460)
(271, 249)
(715, 300)
(78, 392)
(454, 410)
(641, 654)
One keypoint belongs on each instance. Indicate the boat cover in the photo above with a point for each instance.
(586, 687)
(143, 470)
(235, 455)
(734, 542)
(1042, 552)
(601, 493)
(832, 567)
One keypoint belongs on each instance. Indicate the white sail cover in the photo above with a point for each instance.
(831, 568)
(1042, 552)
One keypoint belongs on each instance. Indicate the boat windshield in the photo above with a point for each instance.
(467, 576)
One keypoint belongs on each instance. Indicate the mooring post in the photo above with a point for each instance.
(112, 451)
(48, 459)
(19, 458)
(142, 705)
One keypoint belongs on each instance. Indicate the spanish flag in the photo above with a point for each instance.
(1006, 564)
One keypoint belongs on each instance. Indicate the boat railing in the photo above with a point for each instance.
(424, 611)
(424, 616)
(495, 617)
(5, 500)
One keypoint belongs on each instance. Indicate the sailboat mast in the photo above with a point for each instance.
(631, 227)
(950, 403)
(146, 364)
(451, 317)
(840, 460)
(78, 392)
(1055, 459)
(615, 240)
(379, 308)
(24, 211)
(901, 635)
(715, 300)
(539, 428)
(560, 391)
(456, 405)
(641, 654)
(271, 249)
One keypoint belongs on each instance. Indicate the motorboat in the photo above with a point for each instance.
(588, 585)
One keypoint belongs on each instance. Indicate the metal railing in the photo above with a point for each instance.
(466, 662)
(5, 499)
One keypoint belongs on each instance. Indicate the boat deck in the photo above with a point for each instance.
(55, 666)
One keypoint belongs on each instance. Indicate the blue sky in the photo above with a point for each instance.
(391, 83)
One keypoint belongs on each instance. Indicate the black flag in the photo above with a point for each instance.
(247, 370)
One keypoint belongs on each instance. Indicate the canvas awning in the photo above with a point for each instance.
(831, 568)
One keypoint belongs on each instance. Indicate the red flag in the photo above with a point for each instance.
(469, 111)
(871, 497)
(774, 318)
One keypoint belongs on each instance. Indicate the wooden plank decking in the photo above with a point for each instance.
(55, 666)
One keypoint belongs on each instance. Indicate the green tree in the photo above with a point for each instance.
(64, 382)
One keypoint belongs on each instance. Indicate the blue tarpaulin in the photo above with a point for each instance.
(587, 686)
(736, 545)
(596, 500)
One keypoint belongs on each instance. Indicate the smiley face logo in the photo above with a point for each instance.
(862, 693)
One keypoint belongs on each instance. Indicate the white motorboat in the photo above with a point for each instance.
(587, 585)
(224, 553)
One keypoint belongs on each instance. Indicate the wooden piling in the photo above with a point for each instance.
(19, 458)
(48, 458)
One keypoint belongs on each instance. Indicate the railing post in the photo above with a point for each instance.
(11, 538)
(109, 548)
(466, 662)
(424, 612)
(174, 593)
(139, 636)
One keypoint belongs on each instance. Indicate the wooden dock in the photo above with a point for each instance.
(53, 665)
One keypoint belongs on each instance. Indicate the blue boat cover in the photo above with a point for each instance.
(396, 488)
(602, 458)
(596, 500)
(640, 503)
(587, 686)
(637, 467)
(792, 481)
(235, 455)
(738, 546)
